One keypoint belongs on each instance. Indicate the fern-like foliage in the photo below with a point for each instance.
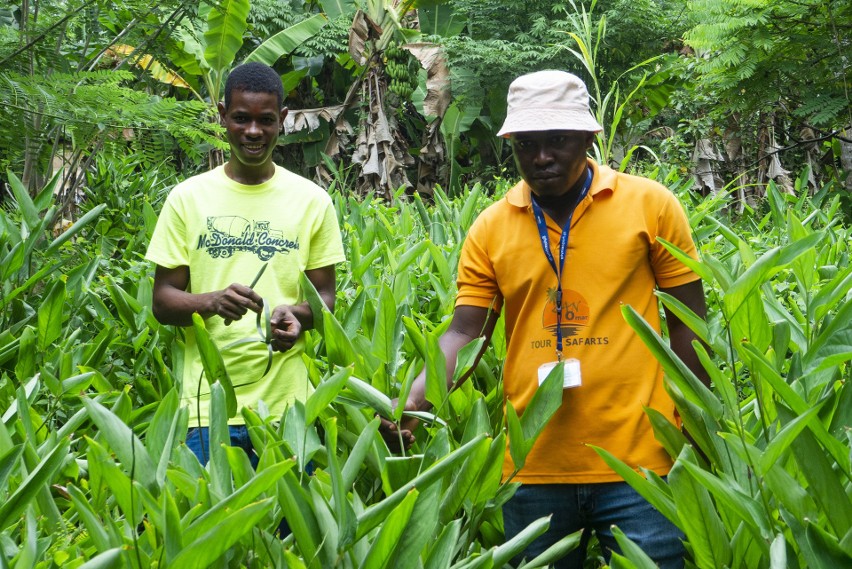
(760, 54)
(95, 111)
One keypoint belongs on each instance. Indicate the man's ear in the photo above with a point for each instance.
(222, 111)
(590, 140)
(281, 117)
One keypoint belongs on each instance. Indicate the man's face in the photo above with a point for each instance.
(551, 161)
(252, 122)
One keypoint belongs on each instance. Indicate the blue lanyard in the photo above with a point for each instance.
(563, 250)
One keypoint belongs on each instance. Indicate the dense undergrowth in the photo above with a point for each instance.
(93, 471)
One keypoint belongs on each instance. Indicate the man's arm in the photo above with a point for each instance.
(680, 336)
(289, 321)
(469, 323)
(172, 304)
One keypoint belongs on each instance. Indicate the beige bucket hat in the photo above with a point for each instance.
(548, 100)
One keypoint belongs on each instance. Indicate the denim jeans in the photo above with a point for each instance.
(198, 441)
(593, 507)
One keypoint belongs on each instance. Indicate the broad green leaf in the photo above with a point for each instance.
(219, 437)
(325, 393)
(735, 501)
(284, 42)
(675, 369)
(782, 441)
(299, 513)
(90, 519)
(517, 544)
(698, 517)
(441, 553)
(518, 447)
(25, 367)
(656, 497)
(23, 200)
(420, 530)
(464, 480)
(666, 433)
(436, 371)
(39, 477)
(767, 265)
(50, 315)
(829, 554)
(371, 396)
(385, 326)
(300, 435)
(467, 358)
(78, 226)
(213, 364)
(105, 560)
(203, 551)
(437, 18)
(631, 551)
(373, 516)
(226, 24)
(546, 400)
(336, 8)
(833, 346)
(382, 549)
(9, 461)
(242, 497)
(359, 452)
(124, 443)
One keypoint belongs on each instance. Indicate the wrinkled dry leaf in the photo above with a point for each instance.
(438, 92)
(359, 33)
(310, 118)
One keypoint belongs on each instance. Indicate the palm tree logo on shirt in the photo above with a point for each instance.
(575, 312)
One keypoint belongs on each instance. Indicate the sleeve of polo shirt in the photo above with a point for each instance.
(673, 226)
(477, 281)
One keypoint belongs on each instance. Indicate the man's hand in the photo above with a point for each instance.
(235, 301)
(404, 433)
(286, 328)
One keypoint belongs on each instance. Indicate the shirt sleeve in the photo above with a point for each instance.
(673, 226)
(477, 281)
(326, 244)
(168, 247)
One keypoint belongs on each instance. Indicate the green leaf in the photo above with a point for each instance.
(90, 519)
(373, 516)
(385, 326)
(382, 549)
(106, 560)
(371, 396)
(24, 201)
(287, 40)
(50, 316)
(78, 226)
(201, 553)
(699, 520)
(436, 371)
(437, 18)
(336, 8)
(464, 480)
(39, 477)
(124, 443)
(226, 24)
(675, 369)
(213, 364)
(833, 346)
(633, 552)
(325, 393)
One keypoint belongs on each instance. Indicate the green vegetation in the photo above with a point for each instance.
(93, 472)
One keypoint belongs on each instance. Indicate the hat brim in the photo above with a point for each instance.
(537, 120)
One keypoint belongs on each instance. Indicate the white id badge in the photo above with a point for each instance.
(571, 373)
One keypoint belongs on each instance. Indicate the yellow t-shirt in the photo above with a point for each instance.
(224, 232)
(613, 259)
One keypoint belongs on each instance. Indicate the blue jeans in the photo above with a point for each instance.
(593, 507)
(198, 441)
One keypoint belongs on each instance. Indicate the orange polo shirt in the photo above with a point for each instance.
(613, 259)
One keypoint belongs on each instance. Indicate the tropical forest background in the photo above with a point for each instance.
(741, 107)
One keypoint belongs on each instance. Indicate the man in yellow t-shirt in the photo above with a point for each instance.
(561, 253)
(217, 231)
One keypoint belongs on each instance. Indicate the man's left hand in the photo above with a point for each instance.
(286, 328)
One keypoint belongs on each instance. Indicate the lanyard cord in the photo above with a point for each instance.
(541, 223)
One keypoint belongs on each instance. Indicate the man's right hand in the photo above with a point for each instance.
(404, 432)
(234, 302)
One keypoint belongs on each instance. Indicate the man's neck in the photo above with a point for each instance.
(559, 208)
(249, 175)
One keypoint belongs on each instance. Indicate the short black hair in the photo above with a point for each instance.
(254, 77)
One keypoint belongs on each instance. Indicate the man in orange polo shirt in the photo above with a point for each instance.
(561, 253)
